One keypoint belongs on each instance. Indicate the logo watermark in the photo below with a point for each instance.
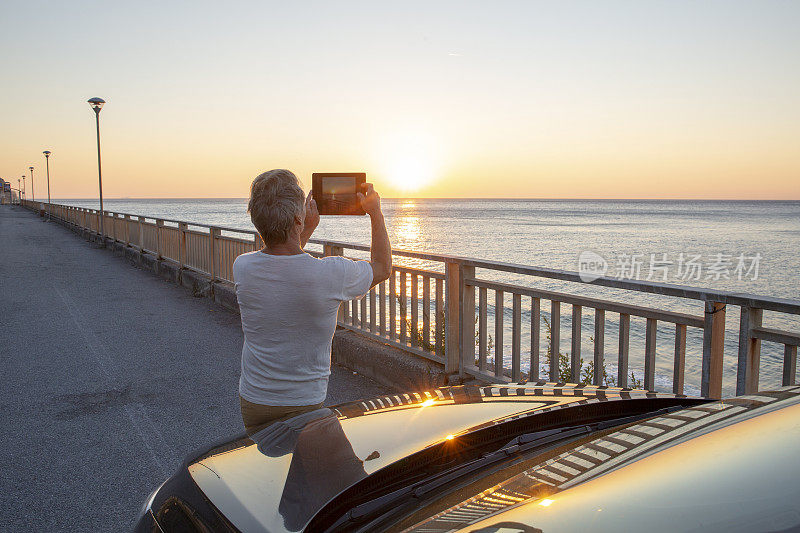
(591, 266)
(682, 267)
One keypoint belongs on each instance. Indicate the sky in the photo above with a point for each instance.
(501, 99)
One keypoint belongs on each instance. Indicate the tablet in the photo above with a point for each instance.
(336, 192)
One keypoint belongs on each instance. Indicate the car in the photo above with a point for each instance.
(501, 458)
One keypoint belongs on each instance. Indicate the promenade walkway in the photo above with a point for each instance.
(110, 376)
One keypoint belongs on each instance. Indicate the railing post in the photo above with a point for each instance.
(789, 364)
(426, 311)
(213, 234)
(624, 348)
(141, 234)
(159, 245)
(713, 350)
(679, 368)
(599, 345)
(330, 249)
(536, 328)
(749, 362)
(499, 314)
(127, 230)
(182, 259)
(555, 339)
(403, 308)
(483, 335)
(575, 356)
(651, 331)
(382, 307)
(467, 319)
(452, 335)
(392, 305)
(516, 337)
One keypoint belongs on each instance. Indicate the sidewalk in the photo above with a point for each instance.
(110, 376)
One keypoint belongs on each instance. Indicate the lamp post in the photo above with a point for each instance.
(47, 161)
(24, 188)
(97, 104)
(19, 191)
(33, 189)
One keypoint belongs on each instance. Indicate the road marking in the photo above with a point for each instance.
(136, 414)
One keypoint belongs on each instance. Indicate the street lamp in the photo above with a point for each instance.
(24, 188)
(97, 104)
(33, 189)
(47, 160)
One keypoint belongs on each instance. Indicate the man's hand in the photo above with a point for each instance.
(311, 220)
(312, 215)
(370, 200)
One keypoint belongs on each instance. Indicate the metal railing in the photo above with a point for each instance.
(433, 312)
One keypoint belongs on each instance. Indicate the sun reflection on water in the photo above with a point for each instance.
(408, 232)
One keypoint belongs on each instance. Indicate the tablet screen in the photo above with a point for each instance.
(338, 185)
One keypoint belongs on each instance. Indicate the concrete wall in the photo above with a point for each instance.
(388, 365)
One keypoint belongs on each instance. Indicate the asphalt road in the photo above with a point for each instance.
(110, 376)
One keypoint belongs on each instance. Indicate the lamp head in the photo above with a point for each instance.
(96, 103)
(46, 153)
(30, 168)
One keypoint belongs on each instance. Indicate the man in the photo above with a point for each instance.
(288, 299)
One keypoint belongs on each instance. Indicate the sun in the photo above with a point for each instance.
(409, 173)
(409, 161)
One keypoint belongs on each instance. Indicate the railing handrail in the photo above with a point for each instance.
(770, 303)
(783, 305)
(445, 331)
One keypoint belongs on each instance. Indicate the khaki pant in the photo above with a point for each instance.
(256, 416)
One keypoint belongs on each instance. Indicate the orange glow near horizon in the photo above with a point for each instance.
(639, 102)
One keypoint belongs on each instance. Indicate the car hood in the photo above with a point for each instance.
(277, 479)
(724, 466)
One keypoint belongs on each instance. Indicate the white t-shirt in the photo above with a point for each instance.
(288, 305)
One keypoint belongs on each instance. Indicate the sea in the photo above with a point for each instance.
(742, 246)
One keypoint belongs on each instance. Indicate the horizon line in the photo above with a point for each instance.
(465, 198)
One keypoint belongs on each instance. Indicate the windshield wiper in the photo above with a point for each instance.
(595, 426)
(419, 490)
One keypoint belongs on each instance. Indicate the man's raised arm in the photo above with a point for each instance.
(381, 248)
